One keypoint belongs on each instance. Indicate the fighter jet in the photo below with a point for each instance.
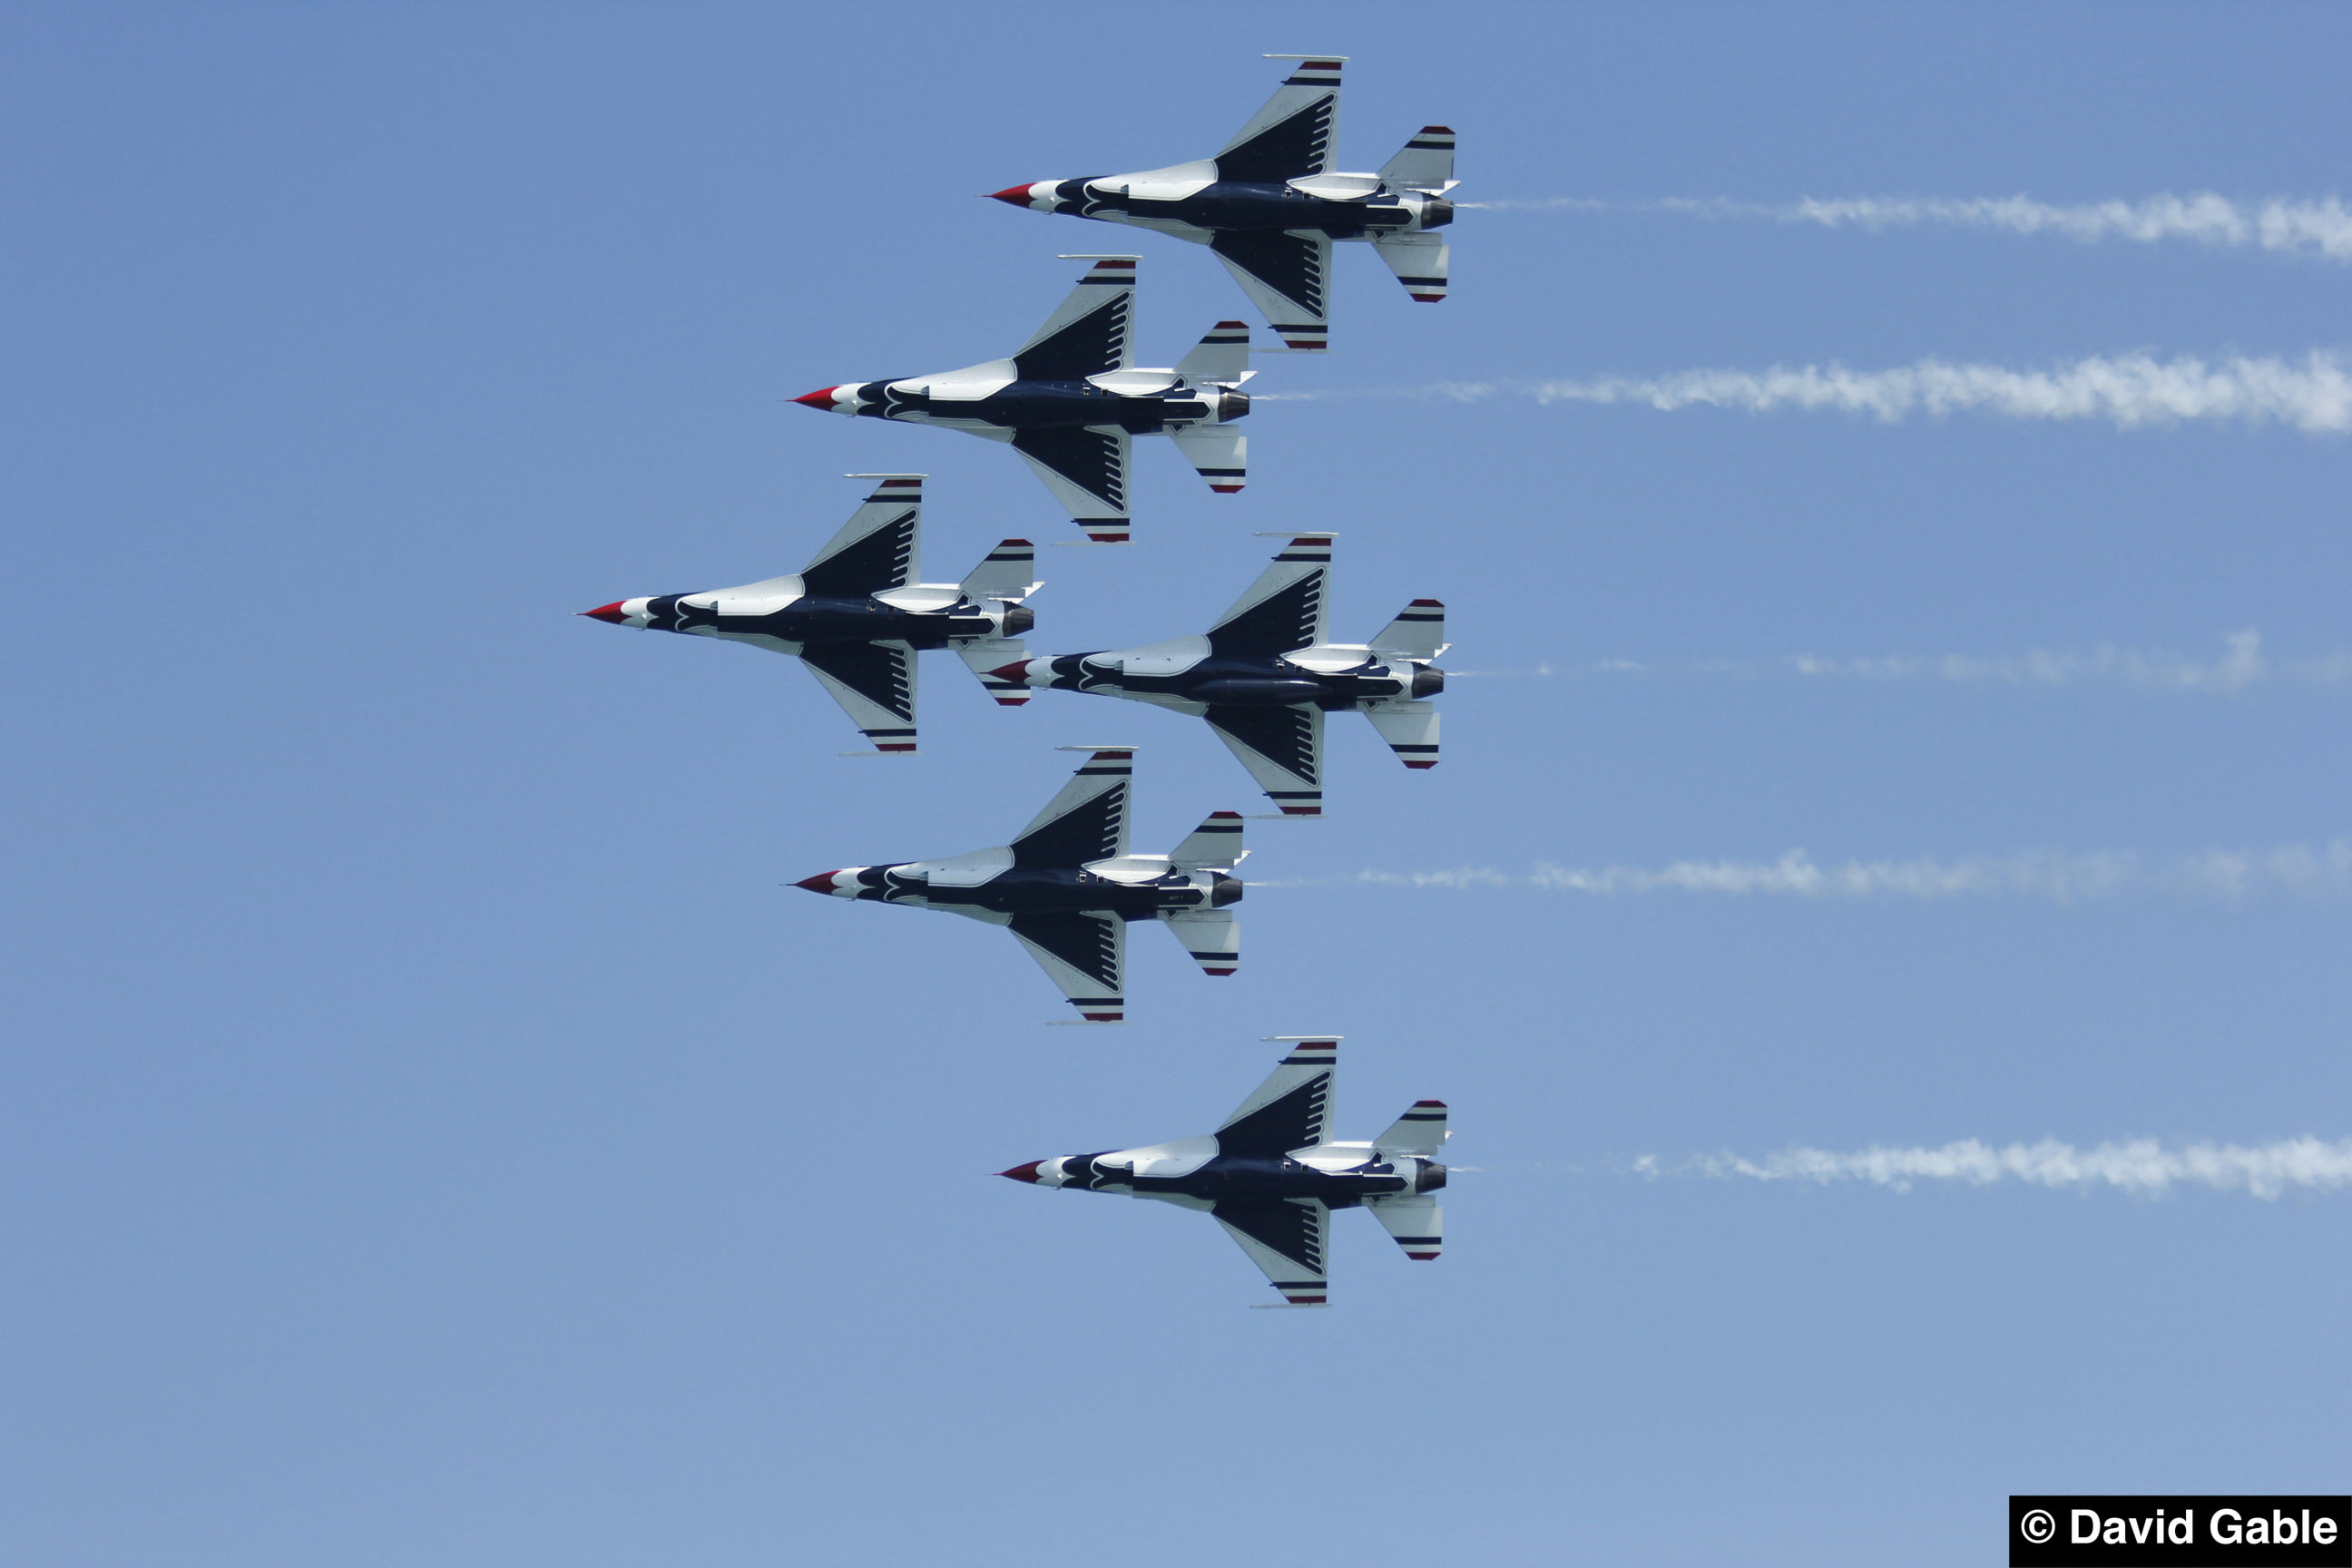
(1271, 1179)
(1067, 888)
(1071, 400)
(1263, 676)
(1269, 204)
(855, 616)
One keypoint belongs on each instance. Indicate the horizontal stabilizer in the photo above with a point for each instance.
(1418, 261)
(1219, 453)
(1007, 573)
(1417, 1223)
(1418, 632)
(1420, 1130)
(1424, 163)
(1212, 937)
(1220, 359)
(1217, 842)
(986, 655)
(1411, 730)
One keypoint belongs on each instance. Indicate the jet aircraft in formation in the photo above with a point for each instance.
(856, 616)
(1269, 204)
(1068, 886)
(1072, 399)
(1263, 676)
(1271, 1176)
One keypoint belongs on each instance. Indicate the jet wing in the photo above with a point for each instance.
(1288, 1239)
(1289, 1109)
(1088, 333)
(1284, 610)
(1086, 470)
(1285, 275)
(1281, 747)
(876, 549)
(875, 684)
(1291, 134)
(1085, 955)
(1087, 821)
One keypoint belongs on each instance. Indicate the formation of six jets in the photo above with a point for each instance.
(1069, 401)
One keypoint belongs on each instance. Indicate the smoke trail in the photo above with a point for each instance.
(2243, 665)
(2128, 391)
(2291, 869)
(2141, 1165)
(2322, 228)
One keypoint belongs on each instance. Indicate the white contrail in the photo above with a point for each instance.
(2141, 1165)
(2321, 227)
(2296, 870)
(2242, 664)
(2129, 390)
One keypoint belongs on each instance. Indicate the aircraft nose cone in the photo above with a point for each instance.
(820, 883)
(1013, 195)
(820, 400)
(611, 612)
(1017, 672)
(1027, 1172)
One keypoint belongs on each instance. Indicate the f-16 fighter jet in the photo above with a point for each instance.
(1067, 888)
(1071, 400)
(1269, 203)
(1271, 1179)
(1264, 676)
(855, 616)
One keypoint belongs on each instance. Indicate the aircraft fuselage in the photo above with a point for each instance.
(813, 619)
(1247, 680)
(1240, 206)
(1048, 404)
(1050, 890)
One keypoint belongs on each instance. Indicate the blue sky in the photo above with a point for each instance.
(437, 1132)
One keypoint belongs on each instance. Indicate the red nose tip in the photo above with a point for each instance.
(611, 612)
(820, 883)
(1016, 195)
(821, 398)
(1027, 1172)
(1017, 672)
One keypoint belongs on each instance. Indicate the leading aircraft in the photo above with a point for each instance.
(856, 616)
(1068, 886)
(1265, 675)
(1271, 1178)
(1269, 204)
(1071, 400)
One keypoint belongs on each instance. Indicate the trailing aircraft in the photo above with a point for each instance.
(856, 616)
(1071, 400)
(1271, 1177)
(1263, 676)
(1067, 888)
(1269, 206)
